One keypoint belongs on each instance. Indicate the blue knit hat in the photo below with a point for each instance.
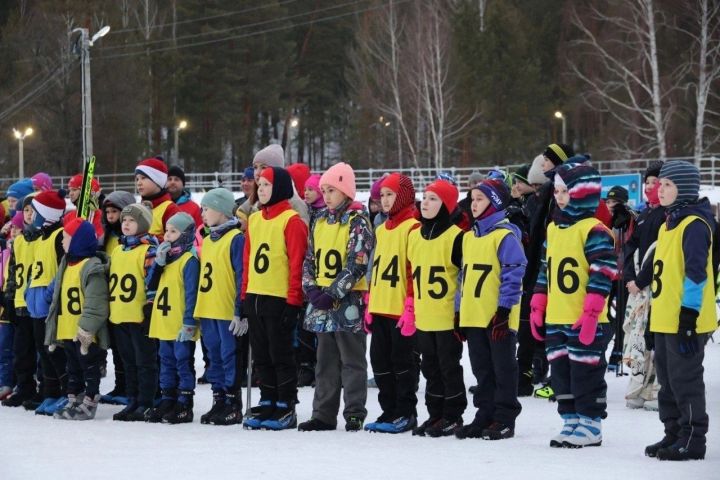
(686, 178)
(20, 189)
(249, 173)
(496, 191)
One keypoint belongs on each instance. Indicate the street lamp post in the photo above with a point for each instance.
(559, 115)
(86, 43)
(181, 126)
(20, 138)
(294, 123)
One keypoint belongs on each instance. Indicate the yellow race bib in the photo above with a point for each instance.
(127, 284)
(218, 290)
(156, 227)
(169, 306)
(331, 243)
(268, 269)
(45, 261)
(71, 302)
(23, 251)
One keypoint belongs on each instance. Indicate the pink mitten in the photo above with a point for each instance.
(538, 305)
(592, 308)
(406, 322)
(367, 319)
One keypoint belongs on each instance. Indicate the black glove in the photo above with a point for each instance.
(687, 336)
(500, 324)
(147, 313)
(457, 330)
(290, 316)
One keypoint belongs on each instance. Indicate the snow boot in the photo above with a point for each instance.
(634, 403)
(72, 401)
(32, 403)
(545, 392)
(683, 449)
(667, 441)
(166, 405)
(444, 428)
(115, 397)
(59, 405)
(498, 431)
(258, 415)
(315, 425)
(16, 399)
(588, 433)
(140, 414)
(570, 422)
(354, 424)
(651, 405)
(230, 413)
(398, 425)
(47, 402)
(84, 410)
(217, 405)
(525, 384)
(421, 429)
(474, 429)
(373, 426)
(183, 411)
(121, 416)
(283, 417)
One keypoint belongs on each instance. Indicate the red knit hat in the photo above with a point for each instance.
(50, 205)
(268, 174)
(403, 188)
(154, 169)
(76, 182)
(447, 192)
(71, 224)
(299, 172)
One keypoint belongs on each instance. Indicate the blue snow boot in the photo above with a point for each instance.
(588, 433)
(42, 408)
(257, 415)
(373, 426)
(282, 418)
(570, 421)
(57, 406)
(399, 425)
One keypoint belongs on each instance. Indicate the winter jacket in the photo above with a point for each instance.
(186, 204)
(96, 306)
(348, 314)
(645, 234)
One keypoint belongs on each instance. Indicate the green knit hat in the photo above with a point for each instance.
(221, 200)
(181, 220)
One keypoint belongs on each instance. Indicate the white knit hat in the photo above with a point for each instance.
(270, 156)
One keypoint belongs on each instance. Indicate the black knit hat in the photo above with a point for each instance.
(176, 171)
(558, 153)
(653, 170)
(618, 193)
(521, 174)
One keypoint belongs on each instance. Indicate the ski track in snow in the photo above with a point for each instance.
(36, 447)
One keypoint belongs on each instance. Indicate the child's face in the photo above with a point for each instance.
(66, 241)
(129, 226)
(430, 205)
(264, 190)
(547, 165)
(112, 214)
(668, 192)
(611, 204)
(650, 183)
(74, 194)
(145, 186)
(171, 233)
(479, 202)
(14, 231)
(28, 213)
(247, 185)
(332, 196)
(562, 197)
(212, 218)
(311, 196)
(387, 199)
(521, 188)
(12, 202)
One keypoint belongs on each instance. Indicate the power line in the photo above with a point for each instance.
(211, 17)
(237, 27)
(250, 34)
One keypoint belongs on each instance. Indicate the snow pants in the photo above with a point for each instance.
(445, 388)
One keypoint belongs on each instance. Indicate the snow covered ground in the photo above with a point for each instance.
(36, 447)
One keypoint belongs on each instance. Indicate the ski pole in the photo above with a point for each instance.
(248, 393)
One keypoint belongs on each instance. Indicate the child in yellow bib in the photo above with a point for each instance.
(272, 297)
(435, 256)
(7, 317)
(172, 322)
(130, 309)
(392, 346)
(682, 313)
(334, 281)
(77, 319)
(218, 306)
(493, 268)
(575, 278)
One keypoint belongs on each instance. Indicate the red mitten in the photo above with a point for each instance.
(538, 305)
(592, 308)
(406, 322)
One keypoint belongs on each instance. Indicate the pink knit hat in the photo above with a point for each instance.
(342, 177)
(18, 221)
(313, 183)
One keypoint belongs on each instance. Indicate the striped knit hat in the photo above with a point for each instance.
(584, 187)
(403, 188)
(686, 178)
(558, 153)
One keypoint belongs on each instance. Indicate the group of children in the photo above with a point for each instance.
(422, 282)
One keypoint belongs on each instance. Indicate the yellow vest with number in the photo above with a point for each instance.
(169, 306)
(111, 242)
(156, 227)
(269, 272)
(434, 279)
(218, 290)
(389, 269)
(481, 280)
(668, 279)
(331, 242)
(568, 272)
(127, 284)
(45, 260)
(71, 302)
(23, 251)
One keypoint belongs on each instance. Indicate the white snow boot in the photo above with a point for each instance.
(571, 421)
(588, 433)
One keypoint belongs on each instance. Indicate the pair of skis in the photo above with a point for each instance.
(83, 206)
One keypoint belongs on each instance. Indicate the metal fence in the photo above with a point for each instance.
(364, 178)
